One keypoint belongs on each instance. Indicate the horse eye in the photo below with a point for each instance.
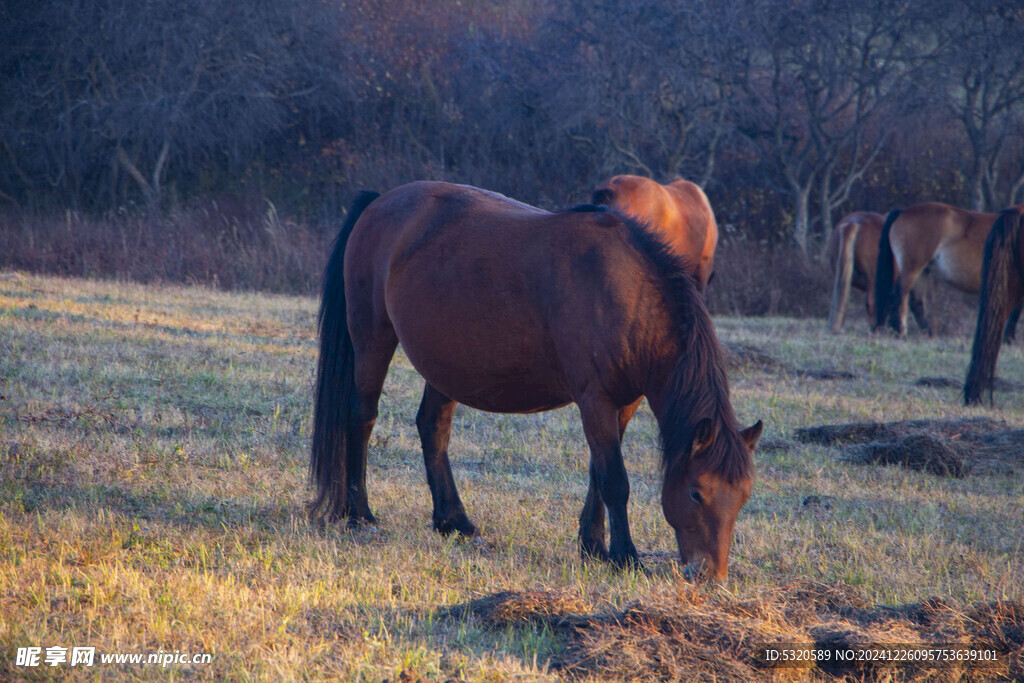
(697, 498)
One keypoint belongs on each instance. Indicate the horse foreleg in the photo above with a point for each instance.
(592, 518)
(434, 423)
(1010, 330)
(608, 475)
(592, 522)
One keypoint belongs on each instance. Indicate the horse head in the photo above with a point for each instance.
(702, 499)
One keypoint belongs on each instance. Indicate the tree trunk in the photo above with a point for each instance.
(825, 207)
(978, 167)
(801, 216)
(978, 191)
(1015, 189)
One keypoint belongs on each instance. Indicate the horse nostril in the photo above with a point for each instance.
(701, 570)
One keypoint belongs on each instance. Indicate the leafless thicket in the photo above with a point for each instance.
(789, 112)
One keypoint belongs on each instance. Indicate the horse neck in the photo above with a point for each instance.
(687, 388)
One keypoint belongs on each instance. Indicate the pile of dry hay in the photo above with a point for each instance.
(702, 635)
(950, 448)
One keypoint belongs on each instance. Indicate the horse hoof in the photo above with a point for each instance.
(594, 550)
(633, 564)
(460, 525)
(357, 517)
(628, 561)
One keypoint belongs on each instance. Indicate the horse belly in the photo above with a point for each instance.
(485, 382)
(488, 362)
(957, 265)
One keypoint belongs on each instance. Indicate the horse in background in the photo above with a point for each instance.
(853, 251)
(679, 213)
(508, 308)
(1002, 293)
(947, 240)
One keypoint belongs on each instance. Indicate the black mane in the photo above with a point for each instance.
(602, 197)
(699, 386)
(586, 208)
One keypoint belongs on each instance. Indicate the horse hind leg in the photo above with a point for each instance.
(371, 370)
(592, 519)
(918, 308)
(434, 423)
(843, 281)
(902, 293)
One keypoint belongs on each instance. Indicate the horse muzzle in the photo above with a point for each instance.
(701, 570)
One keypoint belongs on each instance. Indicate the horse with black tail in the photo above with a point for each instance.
(333, 419)
(948, 239)
(853, 251)
(1002, 293)
(508, 308)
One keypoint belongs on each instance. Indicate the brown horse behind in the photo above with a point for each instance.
(948, 240)
(508, 308)
(853, 251)
(679, 212)
(1002, 293)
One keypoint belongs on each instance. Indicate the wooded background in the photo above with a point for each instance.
(789, 112)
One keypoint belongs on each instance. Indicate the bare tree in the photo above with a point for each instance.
(634, 85)
(109, 102)
(980, 78)
(116, 91)
(816, 87)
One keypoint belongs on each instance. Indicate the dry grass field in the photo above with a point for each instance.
(153, 486)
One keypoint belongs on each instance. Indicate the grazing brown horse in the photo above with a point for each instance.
(508, 308)
(1002, 293)
(679, 212)
(853, 250)
(949, 240)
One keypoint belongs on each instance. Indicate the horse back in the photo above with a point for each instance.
(695, 206)
(941, 224)
(503, 306)
(679, 213)
(857, 234)
(951, 237)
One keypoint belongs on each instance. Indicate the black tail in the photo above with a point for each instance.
(1001, 291)
(1010, 331)
(335, 379)
(885, 298)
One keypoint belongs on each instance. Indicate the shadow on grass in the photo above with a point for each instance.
(186, 510)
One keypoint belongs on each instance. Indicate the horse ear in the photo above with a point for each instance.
(751, 434)
(703, 436)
